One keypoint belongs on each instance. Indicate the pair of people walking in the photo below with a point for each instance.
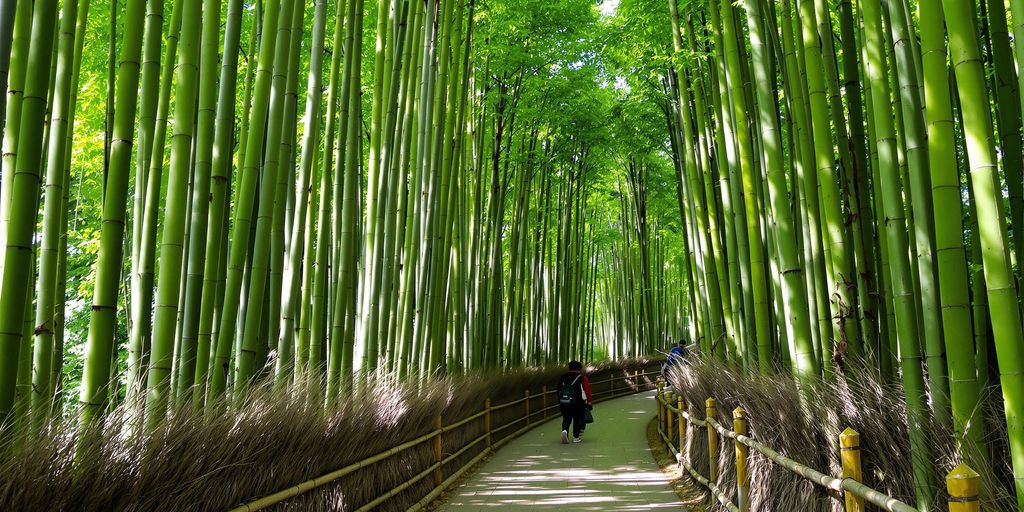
(574, 401)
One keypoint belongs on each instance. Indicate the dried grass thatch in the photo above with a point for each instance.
(808, 431)
(226, 456)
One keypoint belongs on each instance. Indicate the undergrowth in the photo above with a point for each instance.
(807, 431)
(225, 456)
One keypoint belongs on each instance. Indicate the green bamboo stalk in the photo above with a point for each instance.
(340, 363)
(247, 360)
(999, 281)
(896, 234)
(750, 181)
(794, 292)
(12, 120)
(149, 93)
(42, 382)
(195, 279)
(954, 287)
(18, 251)
(310, 139)
(145, 266)
(216, 228)
(921, 206)
(242, 223)
(172, 244)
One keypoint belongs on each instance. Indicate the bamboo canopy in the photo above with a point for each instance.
(200, 197)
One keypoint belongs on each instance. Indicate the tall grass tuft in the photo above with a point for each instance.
(230, 454)
(806, 426)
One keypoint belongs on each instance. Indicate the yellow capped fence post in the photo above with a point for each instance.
(739, 425)
(544, 402)
(526, 400)
(487, 420)
(963, 484)
(437, 451)
(669, 431)
(849, 445)
(709, 411)
(658, 398)
(682, 427)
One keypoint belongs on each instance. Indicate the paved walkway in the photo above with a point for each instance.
(612, 469)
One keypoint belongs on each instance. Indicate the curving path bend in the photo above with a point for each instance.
(612, 469)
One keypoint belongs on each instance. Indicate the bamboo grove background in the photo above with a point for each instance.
(199, 196)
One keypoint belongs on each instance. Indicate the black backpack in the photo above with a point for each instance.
(567, 393)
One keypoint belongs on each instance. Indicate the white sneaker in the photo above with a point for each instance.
(577, 440)
(565, 437)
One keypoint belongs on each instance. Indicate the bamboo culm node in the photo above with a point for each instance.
(712, 441)
(849, 446)
(739, 425)
(963, 485)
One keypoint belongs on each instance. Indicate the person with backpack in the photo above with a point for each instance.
(676, 357)
(574, 398)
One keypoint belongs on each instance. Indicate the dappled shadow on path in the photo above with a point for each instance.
(611, 470)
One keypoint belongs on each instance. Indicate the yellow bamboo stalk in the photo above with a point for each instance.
(963, 485)
(709, 413)
(849, 443)
(682, 426)
(739, 425)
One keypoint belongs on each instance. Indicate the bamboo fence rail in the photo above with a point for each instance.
(629, 383)
(962, 482)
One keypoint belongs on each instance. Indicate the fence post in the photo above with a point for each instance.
(682, 427)
(437, 450)
(544, 402)
(849, 445)
(526, 396)
(612, 384)
(668, 418)
(712, 441)
(658, 398)
(739, 425)
(487, 420)
(963, 484)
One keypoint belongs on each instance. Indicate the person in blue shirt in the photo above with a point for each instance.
(676, 357)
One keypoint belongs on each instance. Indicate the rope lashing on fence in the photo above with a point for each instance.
(962, 483)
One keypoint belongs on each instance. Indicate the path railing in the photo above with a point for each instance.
(491, 436)
(673, 419)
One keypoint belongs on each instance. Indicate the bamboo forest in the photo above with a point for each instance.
(336, 254)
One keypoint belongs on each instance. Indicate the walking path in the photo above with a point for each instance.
(612, 469)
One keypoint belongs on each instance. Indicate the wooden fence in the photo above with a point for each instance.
(620, 383)
(673, 419)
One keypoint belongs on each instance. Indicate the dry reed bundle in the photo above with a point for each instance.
(225, 456)
(807, 430)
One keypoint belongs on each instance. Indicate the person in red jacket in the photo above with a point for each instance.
(574, 398)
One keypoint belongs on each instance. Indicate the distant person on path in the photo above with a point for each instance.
(574, 398)
(676, 357)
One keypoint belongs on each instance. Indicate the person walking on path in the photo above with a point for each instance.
(574, 398)
(676, 357)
